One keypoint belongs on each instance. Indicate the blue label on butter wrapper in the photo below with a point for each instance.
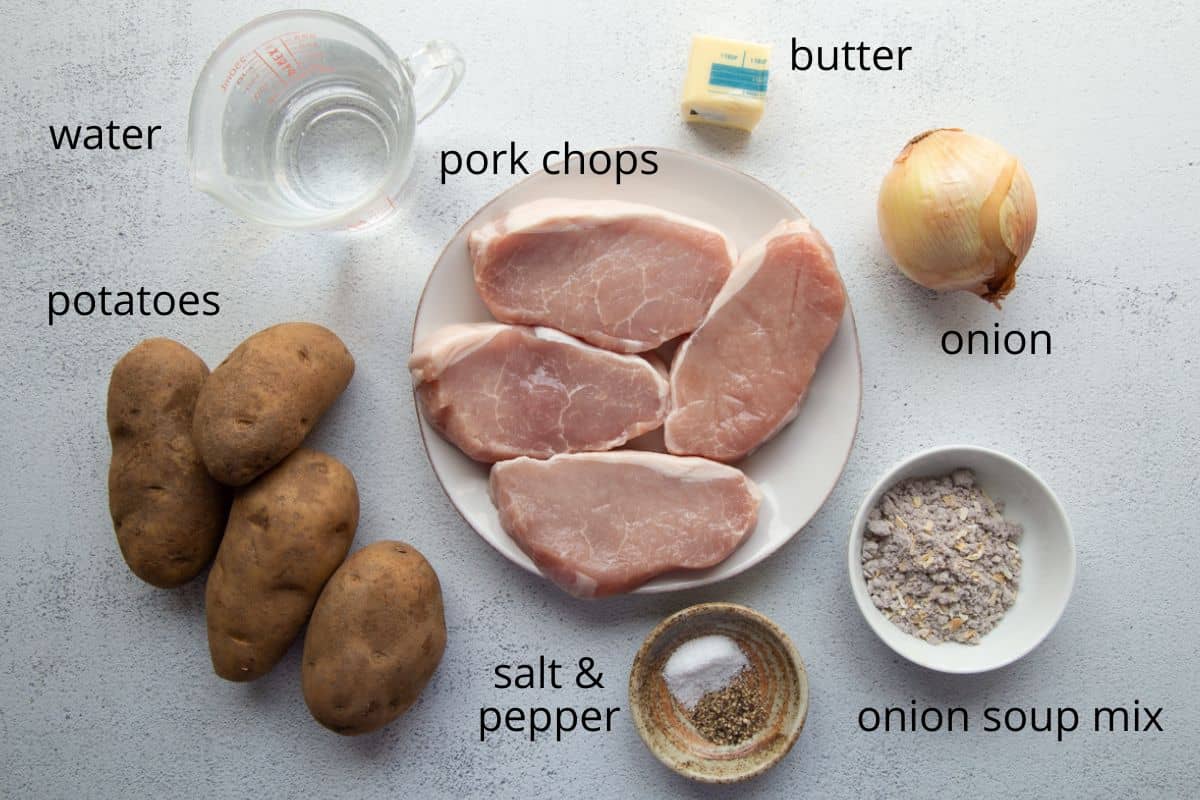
(753, 81)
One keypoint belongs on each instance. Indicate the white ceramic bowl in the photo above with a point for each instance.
(1047, 555)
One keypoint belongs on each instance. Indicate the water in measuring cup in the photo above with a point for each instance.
(331, 137)
(335, 143)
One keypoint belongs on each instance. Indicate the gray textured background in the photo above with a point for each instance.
(105, 686)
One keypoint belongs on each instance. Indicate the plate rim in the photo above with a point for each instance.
(649, 587)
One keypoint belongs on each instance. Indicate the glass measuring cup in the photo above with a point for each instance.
(305, 119)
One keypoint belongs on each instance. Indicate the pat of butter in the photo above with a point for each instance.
(726, 82)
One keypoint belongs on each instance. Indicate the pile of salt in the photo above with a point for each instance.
(702, 665)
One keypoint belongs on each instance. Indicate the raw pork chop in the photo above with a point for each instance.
(602, 523)
(742, 375)
(623, 276)
(501, 391)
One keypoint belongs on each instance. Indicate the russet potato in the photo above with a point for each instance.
(375, 638)
(261, 401)
(167, 511)
(287, 533)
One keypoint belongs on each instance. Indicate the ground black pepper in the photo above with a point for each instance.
(733, 714)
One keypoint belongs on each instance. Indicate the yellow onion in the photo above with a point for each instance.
(957, 211)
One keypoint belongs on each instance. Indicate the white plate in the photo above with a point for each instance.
(1047, 560)
(796, 470)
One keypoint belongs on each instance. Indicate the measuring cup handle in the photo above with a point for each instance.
(436, 70)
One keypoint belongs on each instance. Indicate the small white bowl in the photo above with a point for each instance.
(1047, 555)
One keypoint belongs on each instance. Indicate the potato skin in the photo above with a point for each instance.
(167, 511)
(288, 531)
(261, 401)
(375, 639)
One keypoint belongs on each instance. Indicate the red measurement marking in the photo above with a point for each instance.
(233, 72)
(290, 53)
(281, 62)
(268, 66)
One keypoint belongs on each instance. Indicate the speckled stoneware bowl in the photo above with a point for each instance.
(663, 724)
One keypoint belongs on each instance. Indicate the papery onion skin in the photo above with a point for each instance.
(957, 211)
